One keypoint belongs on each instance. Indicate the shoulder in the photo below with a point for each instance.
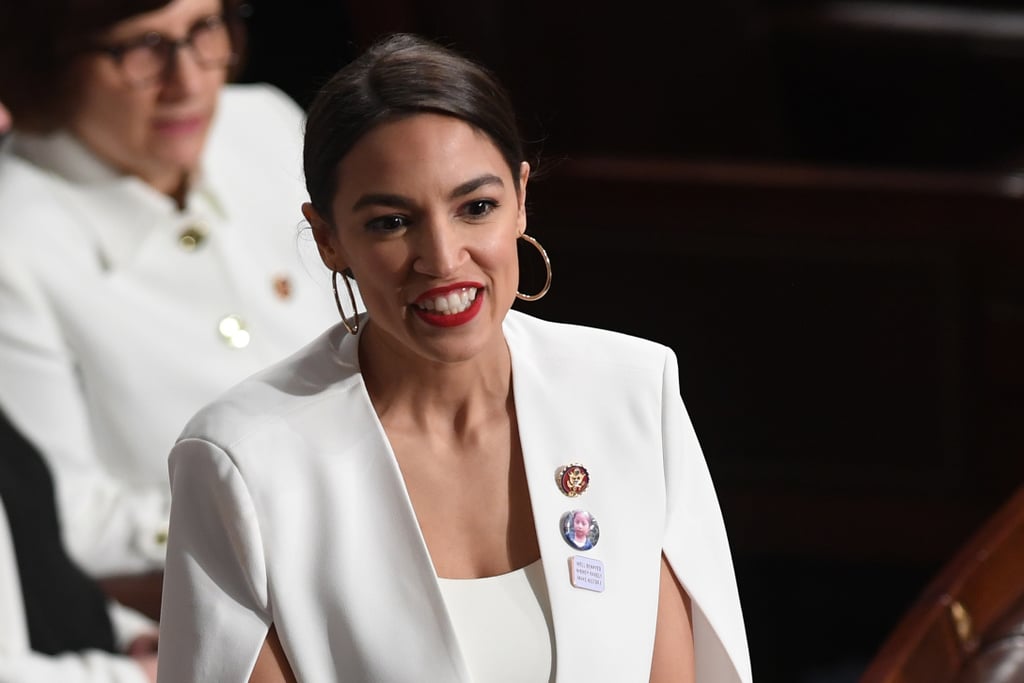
(28, 203)
(256, 138)
(270, 100)
(14, 169)
(21, 180)
(594, 366)
(276, 398)
(570, 345)
(258, 107)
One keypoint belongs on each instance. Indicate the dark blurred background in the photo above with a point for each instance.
(818, 205)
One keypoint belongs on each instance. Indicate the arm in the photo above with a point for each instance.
(673, 637)
(271, 664)
(108, 527)
(134, 632)
(215, 616)
(696, 546)
(75, 667)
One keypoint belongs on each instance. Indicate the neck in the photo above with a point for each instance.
(421, 395)
(173, 184)
(168, 179)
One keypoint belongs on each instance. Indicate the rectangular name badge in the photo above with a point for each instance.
(587, 573)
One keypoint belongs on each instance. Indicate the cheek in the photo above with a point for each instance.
(213, 81)
(511, 260)
(381, 263)
(106, 109)
(501, 254)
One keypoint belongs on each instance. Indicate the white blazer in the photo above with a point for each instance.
(19, 664)
(289, 508)
(109, 336)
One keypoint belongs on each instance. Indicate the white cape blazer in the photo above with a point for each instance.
(288, 507)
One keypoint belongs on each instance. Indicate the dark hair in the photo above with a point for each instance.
(39, 40)
(398, 76)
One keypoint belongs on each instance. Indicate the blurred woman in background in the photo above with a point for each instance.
(149, 248)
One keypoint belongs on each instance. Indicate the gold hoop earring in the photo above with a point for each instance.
(352, 328)
(547, 266)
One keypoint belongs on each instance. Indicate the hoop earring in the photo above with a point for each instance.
(547, 265)
(354, 327)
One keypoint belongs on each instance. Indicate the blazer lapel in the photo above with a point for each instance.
(405, 584)
(563, 420)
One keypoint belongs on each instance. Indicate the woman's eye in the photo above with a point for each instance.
(480, 207)
(387, 223)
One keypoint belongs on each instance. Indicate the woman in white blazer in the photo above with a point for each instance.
(150, 251)
(390, 503)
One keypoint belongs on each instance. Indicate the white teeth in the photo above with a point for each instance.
(451, 303)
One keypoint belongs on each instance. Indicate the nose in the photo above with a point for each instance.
(183, 77)
(439, 247)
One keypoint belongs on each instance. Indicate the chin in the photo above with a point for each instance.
(180, 150)
(184, 158)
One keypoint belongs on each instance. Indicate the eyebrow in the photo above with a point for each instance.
(382, 199)
(140, 35)
(400, 202)
(475, 184)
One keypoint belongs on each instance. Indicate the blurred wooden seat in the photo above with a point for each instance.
(968, 625)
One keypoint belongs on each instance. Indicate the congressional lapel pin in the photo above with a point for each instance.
(283, 287)
(579, 529)
(573, 479)
(586, 573)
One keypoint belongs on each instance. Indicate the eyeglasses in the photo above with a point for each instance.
(146, 59)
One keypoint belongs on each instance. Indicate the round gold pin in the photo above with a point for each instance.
(573, 479)
(192, 237)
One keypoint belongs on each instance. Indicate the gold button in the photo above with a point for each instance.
(192, 237)
(160, 537)
(232, 329)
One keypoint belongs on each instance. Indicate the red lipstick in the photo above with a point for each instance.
(180, 126)
(439, 319)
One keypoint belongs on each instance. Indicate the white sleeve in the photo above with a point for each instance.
(129, 624)
(84, 667)
(18, 664)
(215, 613)
(108, 527)
(697, 547)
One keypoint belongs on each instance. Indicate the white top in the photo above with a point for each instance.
(290, 509)
(109, 334)
(503, 624)
(19, 664)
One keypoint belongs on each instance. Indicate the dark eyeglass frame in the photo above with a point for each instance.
(167, 48)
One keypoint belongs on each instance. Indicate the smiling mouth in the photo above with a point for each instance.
(180, 125)
(452, 303)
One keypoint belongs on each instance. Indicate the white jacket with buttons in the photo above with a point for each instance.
(110, 316)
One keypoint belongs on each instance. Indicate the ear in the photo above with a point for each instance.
(524, 177)
(323, 233)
